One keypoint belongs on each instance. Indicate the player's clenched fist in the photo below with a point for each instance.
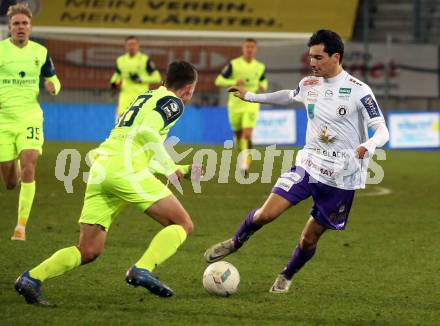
(50, 87)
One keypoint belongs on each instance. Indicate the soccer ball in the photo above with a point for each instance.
(221, 278)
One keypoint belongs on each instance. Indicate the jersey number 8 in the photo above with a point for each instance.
(127, 119)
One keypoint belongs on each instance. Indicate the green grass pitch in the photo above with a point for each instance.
(383, 270)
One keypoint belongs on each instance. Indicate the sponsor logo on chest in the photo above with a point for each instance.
(325, 135)
(342, 111)
(344, 93)
(328, 95)
(312, 96)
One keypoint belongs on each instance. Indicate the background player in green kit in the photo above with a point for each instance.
(121, 174)
(134, 72)
(248, 72)
(22, 62)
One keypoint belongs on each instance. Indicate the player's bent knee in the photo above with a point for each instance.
(188, 226)
(89, 254)
(10, 185)
(264, 216)
(308, 241)
(28, 173)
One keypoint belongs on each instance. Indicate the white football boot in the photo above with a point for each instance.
(281, 284)
(219, 251)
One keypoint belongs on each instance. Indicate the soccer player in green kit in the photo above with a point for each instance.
(121, 173)
(22, 62)
(248, 72)
(134, 72)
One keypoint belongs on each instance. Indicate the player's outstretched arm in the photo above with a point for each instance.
(226, 79)
(152, 78)
(152, 75)
(221, 81)
(284, 97)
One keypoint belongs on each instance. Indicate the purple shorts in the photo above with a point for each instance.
(330, 205)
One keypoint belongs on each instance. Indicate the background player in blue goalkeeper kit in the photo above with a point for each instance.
(334, 160)
(121, 173)
(22, 62)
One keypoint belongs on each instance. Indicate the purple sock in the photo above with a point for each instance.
(297, 261)
(246, 229)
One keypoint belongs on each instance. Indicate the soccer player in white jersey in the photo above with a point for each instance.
(332, 164)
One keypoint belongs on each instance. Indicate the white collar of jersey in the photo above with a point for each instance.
(337, 78)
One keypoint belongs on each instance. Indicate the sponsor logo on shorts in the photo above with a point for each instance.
(285, 184)
(339, 217)
(292, 176)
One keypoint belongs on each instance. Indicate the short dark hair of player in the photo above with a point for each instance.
(131, 37)
(252, 40)
(19, 8)
(331, 40)
(180, 74)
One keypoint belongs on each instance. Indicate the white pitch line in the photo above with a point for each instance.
(377, 191)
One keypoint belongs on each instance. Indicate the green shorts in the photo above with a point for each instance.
(243, 119)
(109, 189)
(13, 140)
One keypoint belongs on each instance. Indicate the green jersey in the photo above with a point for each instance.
(139, 133)
(135, 73)
(20, 71)
(252, 73)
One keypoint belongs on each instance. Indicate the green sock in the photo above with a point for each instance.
(249, 157)
(26, 198)
(163, 246)
(59, 263)
(243, 145)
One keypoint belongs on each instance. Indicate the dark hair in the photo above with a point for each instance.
(250, 40)
(331, 40)
(180, 74)
(131, 37)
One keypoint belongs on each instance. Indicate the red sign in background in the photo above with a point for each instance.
(84, 65)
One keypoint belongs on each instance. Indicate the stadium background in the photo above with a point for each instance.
(390, 44)
(384, 270)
